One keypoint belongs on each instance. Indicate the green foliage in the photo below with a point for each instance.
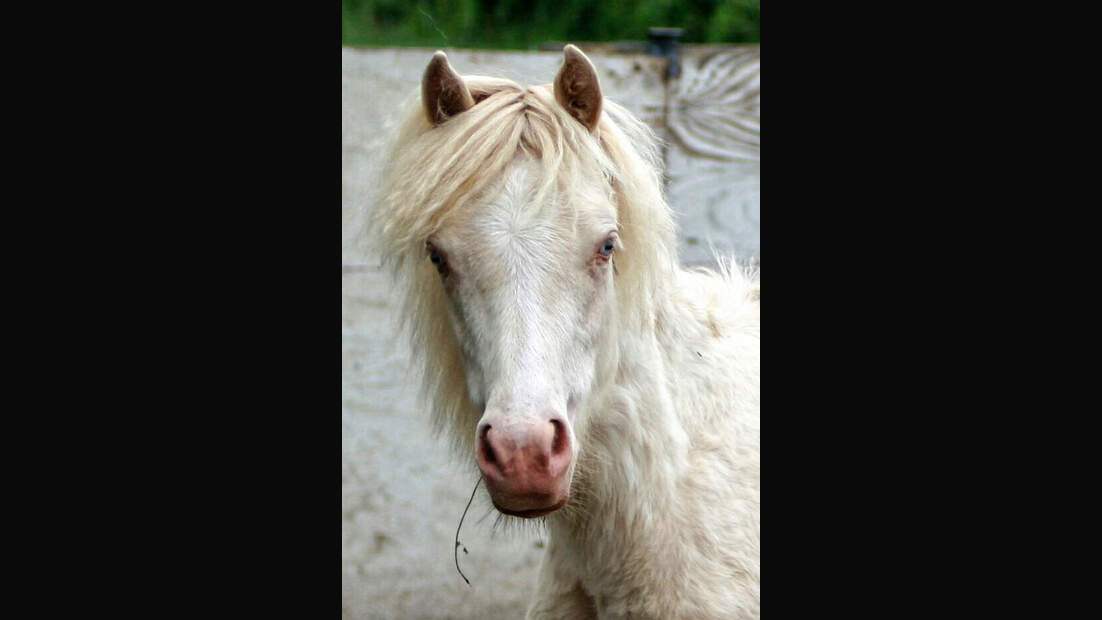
(525, 24)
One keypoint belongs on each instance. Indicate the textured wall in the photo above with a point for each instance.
(403, 493)
(713, 163)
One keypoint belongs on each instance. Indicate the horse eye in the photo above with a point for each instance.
(606, 249)
(437, 258)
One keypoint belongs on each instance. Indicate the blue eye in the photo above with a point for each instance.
(607, 248)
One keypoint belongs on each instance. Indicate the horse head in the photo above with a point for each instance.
(527, 268)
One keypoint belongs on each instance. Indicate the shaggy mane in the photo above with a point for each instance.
(434, 173)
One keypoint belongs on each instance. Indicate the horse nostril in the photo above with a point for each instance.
(487, 447)
(561, 440)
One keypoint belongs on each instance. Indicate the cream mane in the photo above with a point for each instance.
(433, 173)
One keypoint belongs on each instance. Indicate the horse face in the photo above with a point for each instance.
(527, 270)
(529, 284)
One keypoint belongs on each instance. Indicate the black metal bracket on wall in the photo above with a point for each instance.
(666, 42)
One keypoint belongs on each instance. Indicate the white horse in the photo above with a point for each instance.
(596, 383)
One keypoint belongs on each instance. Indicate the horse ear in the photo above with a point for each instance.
(577, 88)
(443, 92)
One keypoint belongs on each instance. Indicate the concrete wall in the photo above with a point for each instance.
(403, 494)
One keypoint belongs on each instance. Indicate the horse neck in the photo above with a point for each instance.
(634, 443)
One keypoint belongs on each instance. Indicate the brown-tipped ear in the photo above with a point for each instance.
(443, 92)
(577, 88)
